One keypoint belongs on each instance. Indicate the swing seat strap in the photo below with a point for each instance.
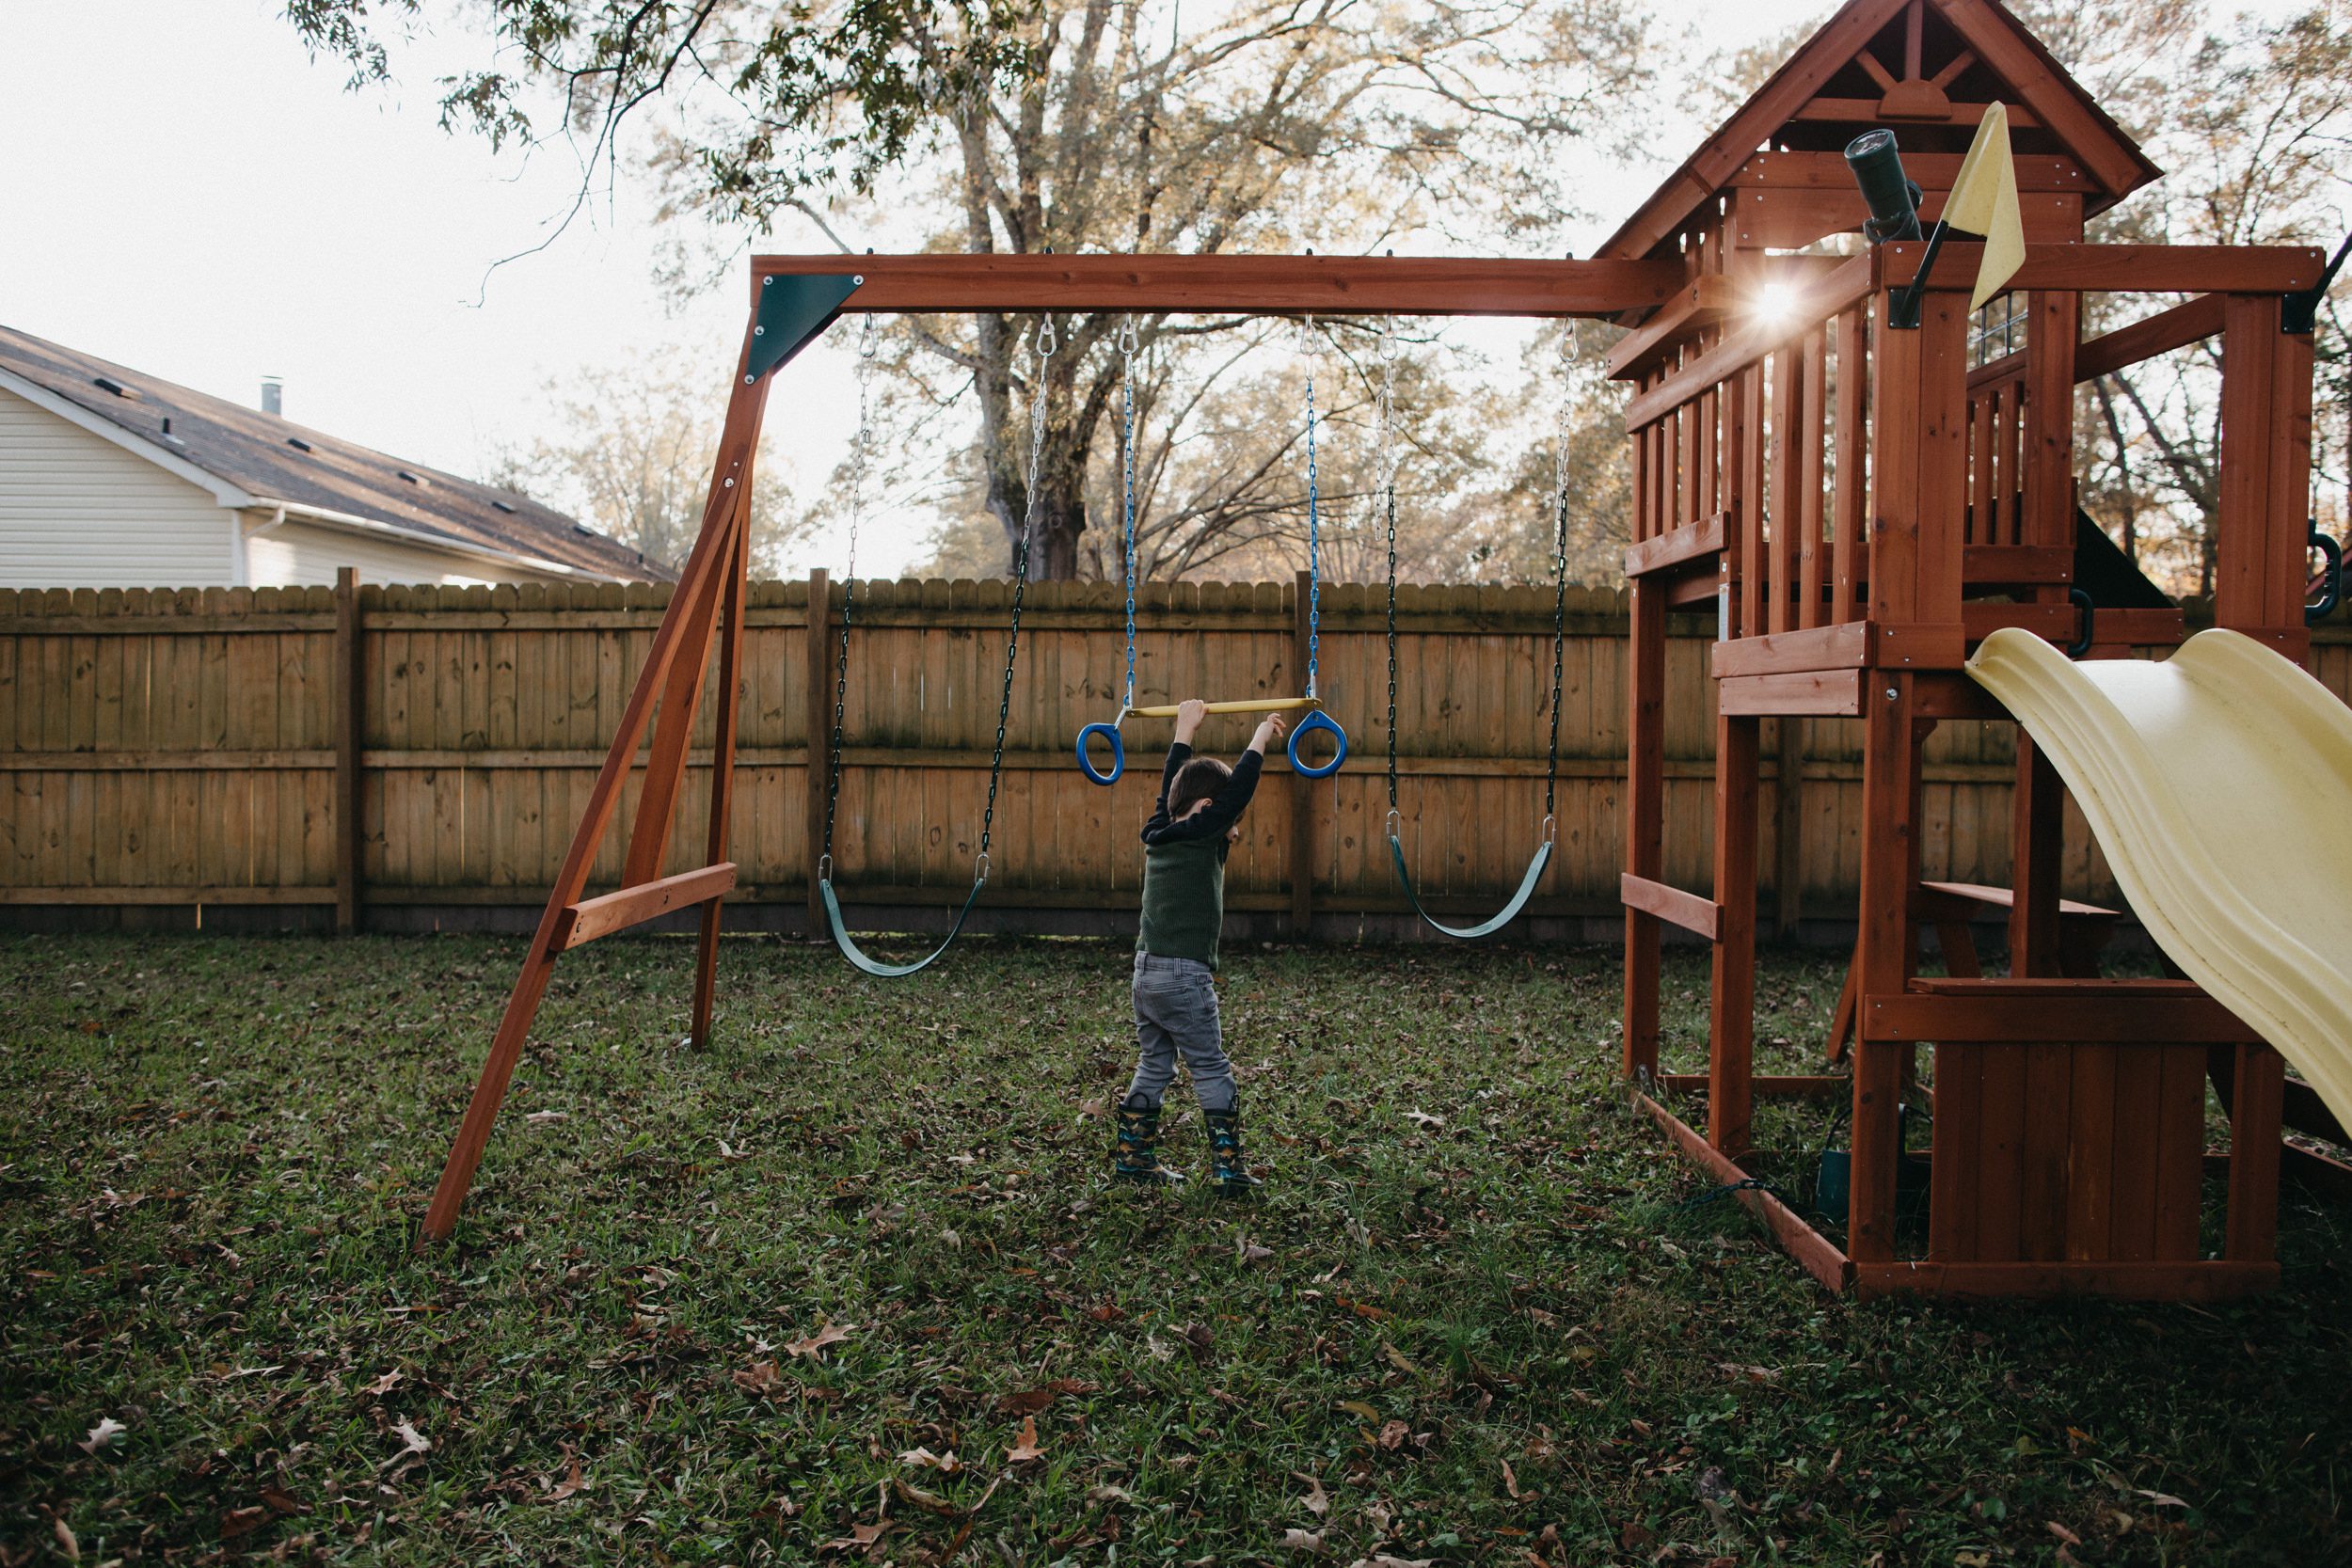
(875, 966)
(1509, 911)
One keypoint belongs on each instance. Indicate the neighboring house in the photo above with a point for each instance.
(113, 478)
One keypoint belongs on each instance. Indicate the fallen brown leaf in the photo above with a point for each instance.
(827, 1333)
(242, 1521)
(1301, 1541)
(1025, 1448)
(1393, 1434)
(383, 1384)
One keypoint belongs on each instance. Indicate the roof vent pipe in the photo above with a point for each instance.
(273, 396)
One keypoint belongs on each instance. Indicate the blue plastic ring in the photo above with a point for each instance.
(1318, 720)
(1118, 753)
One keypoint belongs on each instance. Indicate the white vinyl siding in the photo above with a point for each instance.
(296, 552)
(77, 511)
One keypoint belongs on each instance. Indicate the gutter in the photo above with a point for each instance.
(283, 509)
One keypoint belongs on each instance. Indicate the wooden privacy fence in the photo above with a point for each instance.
(416, 757)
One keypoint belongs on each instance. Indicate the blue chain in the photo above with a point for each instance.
(1128, 343)
(1315, 566)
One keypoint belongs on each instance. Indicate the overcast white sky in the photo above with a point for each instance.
(184, 192)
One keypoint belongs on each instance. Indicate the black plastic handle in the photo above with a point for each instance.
(2332, 576)
(2081, 601)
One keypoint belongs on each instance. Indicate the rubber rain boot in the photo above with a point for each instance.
(1137, 1157)
(1227, 1168)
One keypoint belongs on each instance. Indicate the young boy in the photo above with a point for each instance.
(1183, 910)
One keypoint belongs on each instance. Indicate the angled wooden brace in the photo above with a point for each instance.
(787, 314)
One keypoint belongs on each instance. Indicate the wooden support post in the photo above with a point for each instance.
(722, 768)
(1731, 1012)
(820, 659)
(1789, 828)
(2036, 864)
(1645, 818)
(2053, 325)
(1302, 789)
(1882, 958)
(702, 580)
(2253, 1230)
(673, 736)
(350, 699)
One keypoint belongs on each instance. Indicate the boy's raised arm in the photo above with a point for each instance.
(1188, 716)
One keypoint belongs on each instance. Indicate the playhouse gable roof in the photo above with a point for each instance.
(1925, 68)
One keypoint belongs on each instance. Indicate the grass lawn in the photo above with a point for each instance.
(741, 1306)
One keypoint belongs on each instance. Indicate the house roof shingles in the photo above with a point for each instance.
(250, 450)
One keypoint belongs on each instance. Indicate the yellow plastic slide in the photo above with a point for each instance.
(2219, 783)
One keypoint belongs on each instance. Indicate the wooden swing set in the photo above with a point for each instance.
(1857, 505)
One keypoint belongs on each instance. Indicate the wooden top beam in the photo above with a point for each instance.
(1253, 285)
(2241, 269)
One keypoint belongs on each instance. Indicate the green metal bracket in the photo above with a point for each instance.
(794, 310)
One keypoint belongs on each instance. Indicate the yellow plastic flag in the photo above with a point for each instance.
(1985, 201)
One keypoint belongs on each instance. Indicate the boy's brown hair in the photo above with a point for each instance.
(1196, 780)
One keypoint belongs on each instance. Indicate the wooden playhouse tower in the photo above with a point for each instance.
(1859, 505)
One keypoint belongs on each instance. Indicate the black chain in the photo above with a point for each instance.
(1392, 507)
(1004, 702)
(840, 702)
(1559, 640)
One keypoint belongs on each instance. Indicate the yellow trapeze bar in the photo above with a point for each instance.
(1263, 704)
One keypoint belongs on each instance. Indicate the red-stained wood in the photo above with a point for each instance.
(2090, 1143)
(2242, 598)
(2180, 1151)
(1808, 1246)
(2120, 1012)
(1751, 342)
(1787, 473)
(1700, 303)
(1278, 285)
(1825, 693)
(1998, 1153)
(726, 723)
(2286, 568)
(1881, 959)
(1850, 505)
(1644, 818)
(1841, 1018)
(2190, 322)
(2138, 1102)
(1767, 1085)
(1951, 1178)
(2045, 1151)
(1672, 905)
(2037, 835)
(1940, 502)
(1678, 550)
(591, 918)
(673, 730)
(2206, 1280)
(1811, 447)
(2252, 1230)
(1732, 995)
(1747, 503)
(699, 578)
(2250, 270)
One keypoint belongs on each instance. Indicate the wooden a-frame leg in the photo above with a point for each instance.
(702, 578)
(1731, 1010)
(1645, 817)
(722, 774)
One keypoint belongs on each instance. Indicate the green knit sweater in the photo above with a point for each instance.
(1183, 865)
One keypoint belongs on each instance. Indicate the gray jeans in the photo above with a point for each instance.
(1176, 1013)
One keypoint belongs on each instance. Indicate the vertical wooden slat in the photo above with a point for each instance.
(1787, 472)
(819, 657)
(2254, 1110)
(1731, 1011)
(349, 696)
(1749, 502)
(1882, 955)
(2053, 327)
(1811, 449)
(729, 701)
(1789, 826)
(1645, 818)
(1851, 501)
(2244, 598)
